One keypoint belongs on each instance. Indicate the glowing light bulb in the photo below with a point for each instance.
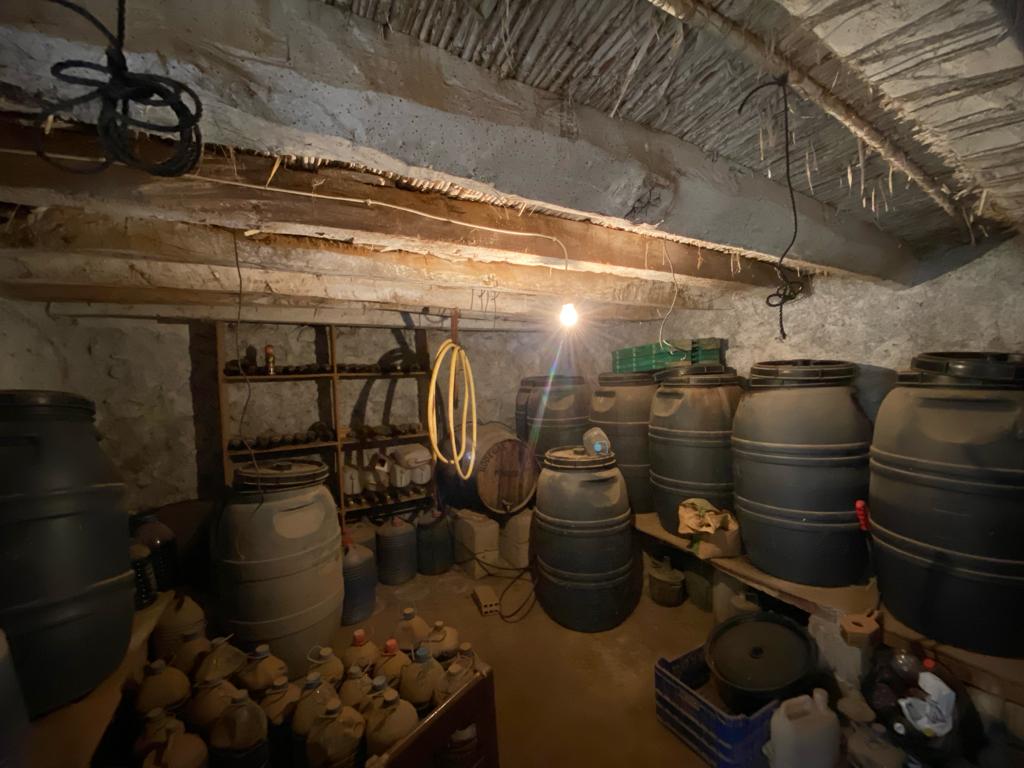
(568, 315)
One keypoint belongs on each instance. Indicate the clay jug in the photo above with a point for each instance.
(183, 615)
(419, 679)
(411, 630)
(315, 695)
(181, 750)
(239, 736)
(278, 705)
(373, 701)
(453, 679)
(162, 687)
(158, 727)
(335, 738)
(391, 662)
(443, 642)
(208, 703)
(356, 688)
(260, 671)
(191, 652)
(223, 661)
(326, 662)
(361, 652)
(395, 720)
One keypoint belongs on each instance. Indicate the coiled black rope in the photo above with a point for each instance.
(790, 287)
(117, 90)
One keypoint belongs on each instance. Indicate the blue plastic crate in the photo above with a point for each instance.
(720, 738)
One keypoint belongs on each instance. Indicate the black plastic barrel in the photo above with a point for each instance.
(526, 387)
(800, 463)
(690, 427)
(558, 413)
(947, 500)
(587, 575)
(621, 406)
(68, 591)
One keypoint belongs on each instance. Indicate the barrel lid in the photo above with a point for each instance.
(802, 373)
(701, 374)
(760, 653)
(967, 369)
(575, 457)
(44, 398)
(637, 379)
(554, 381)
(280, 475)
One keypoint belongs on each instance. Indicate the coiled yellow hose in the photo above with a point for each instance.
(468, 403)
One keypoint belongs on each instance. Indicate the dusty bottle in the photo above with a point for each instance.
(158, 727)
(222, 662)
(335, 737)
(361, 653)
(411, 630)
(327, 663)
(375, 698)
(145, 578)
(191, 652)
(355, 689)
(260, 671)
(453, 679)
(395, 720)
(467, 657)
(239, 736)
(162, 687)
(419, 679)
(278, 704)
(208, 703)
(391, 662)
(315, 695)
(181, 750)
(443, 642)
(182, 616)
(163, 547)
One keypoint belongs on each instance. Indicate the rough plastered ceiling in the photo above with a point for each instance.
(631, 60)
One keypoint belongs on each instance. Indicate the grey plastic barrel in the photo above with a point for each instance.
(587, 575)
(435, 545)
(396, 552)
(558, 413)
(67, 594)
(621, 406)
(14, 723)
(690, 431)
(947, 500)
(360, 569)
(277, 559)
(526, 387)
(800, 463)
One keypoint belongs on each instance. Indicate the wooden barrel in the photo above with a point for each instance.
(504, 477)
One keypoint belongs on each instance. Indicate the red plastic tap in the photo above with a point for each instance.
(863, 514)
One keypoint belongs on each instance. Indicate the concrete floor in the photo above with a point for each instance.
(563, 698)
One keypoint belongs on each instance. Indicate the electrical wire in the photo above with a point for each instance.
(672, 306)
(509, 617)
(458, 444)
(117, 89)
(789, 288)
(248, 384)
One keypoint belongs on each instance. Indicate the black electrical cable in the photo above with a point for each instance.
(117, 90)
(789, 287)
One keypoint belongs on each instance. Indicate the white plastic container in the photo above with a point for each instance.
(475, 534)
(352, 479)
(804, 733)
(514, 540)
(416, 460)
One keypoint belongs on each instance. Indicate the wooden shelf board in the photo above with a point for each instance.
(997, 675)
(69, 736)
(857, 598)
(389, 505)
(377, 442)
(320, 444)
(375, 375)
(262, 377)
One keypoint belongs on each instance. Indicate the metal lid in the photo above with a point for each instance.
(760, 653)
(802, 373)
(638, 379)
(700, 375)
(574, 457)
(967, 369)
(44, 399)
(280, 475)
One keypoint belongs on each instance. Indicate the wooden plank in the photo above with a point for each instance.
(69, 736)
(245, 193)
(857, 598)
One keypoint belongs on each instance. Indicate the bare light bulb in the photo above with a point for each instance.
(568, 316)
